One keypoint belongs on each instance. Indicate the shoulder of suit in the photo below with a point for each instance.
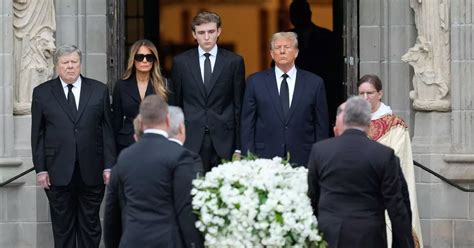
(186, 54)
(93, 82)
(267, 72)
(48, 83)
(309, 75)
(122, 82)
(229, 54)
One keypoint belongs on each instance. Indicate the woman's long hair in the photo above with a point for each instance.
(157, 81)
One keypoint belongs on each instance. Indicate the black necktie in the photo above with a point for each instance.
(284, 95)
(207, 69)
(71, 101)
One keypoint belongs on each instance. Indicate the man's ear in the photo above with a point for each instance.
(182, 128)
(167, 121)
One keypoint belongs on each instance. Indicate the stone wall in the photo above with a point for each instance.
(24, 210)
(442, 141)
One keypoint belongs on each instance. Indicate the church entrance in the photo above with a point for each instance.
(328, 47)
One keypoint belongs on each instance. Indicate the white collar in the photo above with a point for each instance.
(176, 140)
(291, 73)
(156, 131)
(213, 51)
(77, 84)
(381, 111)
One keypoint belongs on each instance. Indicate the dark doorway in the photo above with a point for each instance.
(167, 24)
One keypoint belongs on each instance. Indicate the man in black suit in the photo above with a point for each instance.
(208, 84)
(320, 53)
(284, 109)
(73, 149)
(150, 188)
(352, 180)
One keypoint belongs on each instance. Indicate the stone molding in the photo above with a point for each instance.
(459, 167)
(10, 162)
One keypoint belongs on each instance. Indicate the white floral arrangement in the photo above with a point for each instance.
(255, 203)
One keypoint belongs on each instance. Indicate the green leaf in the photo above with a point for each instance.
(250, 156)
(262, 196)
(279, 218)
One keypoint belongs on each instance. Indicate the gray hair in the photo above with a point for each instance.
(176, 118)
(284, 35)
(66, 49)
(357, 112)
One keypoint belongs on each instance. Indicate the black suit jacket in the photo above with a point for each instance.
(216, 105)
(352, 180)
(265, 130)
(125, 104)
(150, 193)
(55, 134)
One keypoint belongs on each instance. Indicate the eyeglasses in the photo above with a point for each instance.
(368, 93)
(140, 57)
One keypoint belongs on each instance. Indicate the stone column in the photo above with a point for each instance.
(443, 137)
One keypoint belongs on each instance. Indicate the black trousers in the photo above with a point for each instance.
(208, 153)
(74, 212)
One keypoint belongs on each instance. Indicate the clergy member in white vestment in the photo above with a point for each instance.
(392, 131)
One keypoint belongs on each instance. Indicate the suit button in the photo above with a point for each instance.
(286, 127)
(75, 130)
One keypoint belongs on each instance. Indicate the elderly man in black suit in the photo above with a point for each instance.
(208, 84)
(73, 149)
(150, 188)
(352, 180)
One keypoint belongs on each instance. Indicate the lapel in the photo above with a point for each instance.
(218, 68)
(272, 89)
(195, 69)
(86, 91)
(132, 88)
(58, 93)
(149, 89)
(297, 93)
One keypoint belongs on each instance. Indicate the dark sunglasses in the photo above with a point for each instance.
(149, 57)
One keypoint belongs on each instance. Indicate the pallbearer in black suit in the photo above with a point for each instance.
(208, 83)
(73, 149)
(284, 109)
(150, 188)
(141, 78)
(352, 180)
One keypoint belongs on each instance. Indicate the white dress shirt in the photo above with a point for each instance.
(202, 57)
(176, 141)
(291, 80)
(76, 89)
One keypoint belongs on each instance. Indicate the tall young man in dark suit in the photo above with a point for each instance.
(284, 109)
(150, 188)
(73, 149)
(208, 84)
(352, 180)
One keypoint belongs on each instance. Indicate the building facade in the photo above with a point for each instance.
(421, 49)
